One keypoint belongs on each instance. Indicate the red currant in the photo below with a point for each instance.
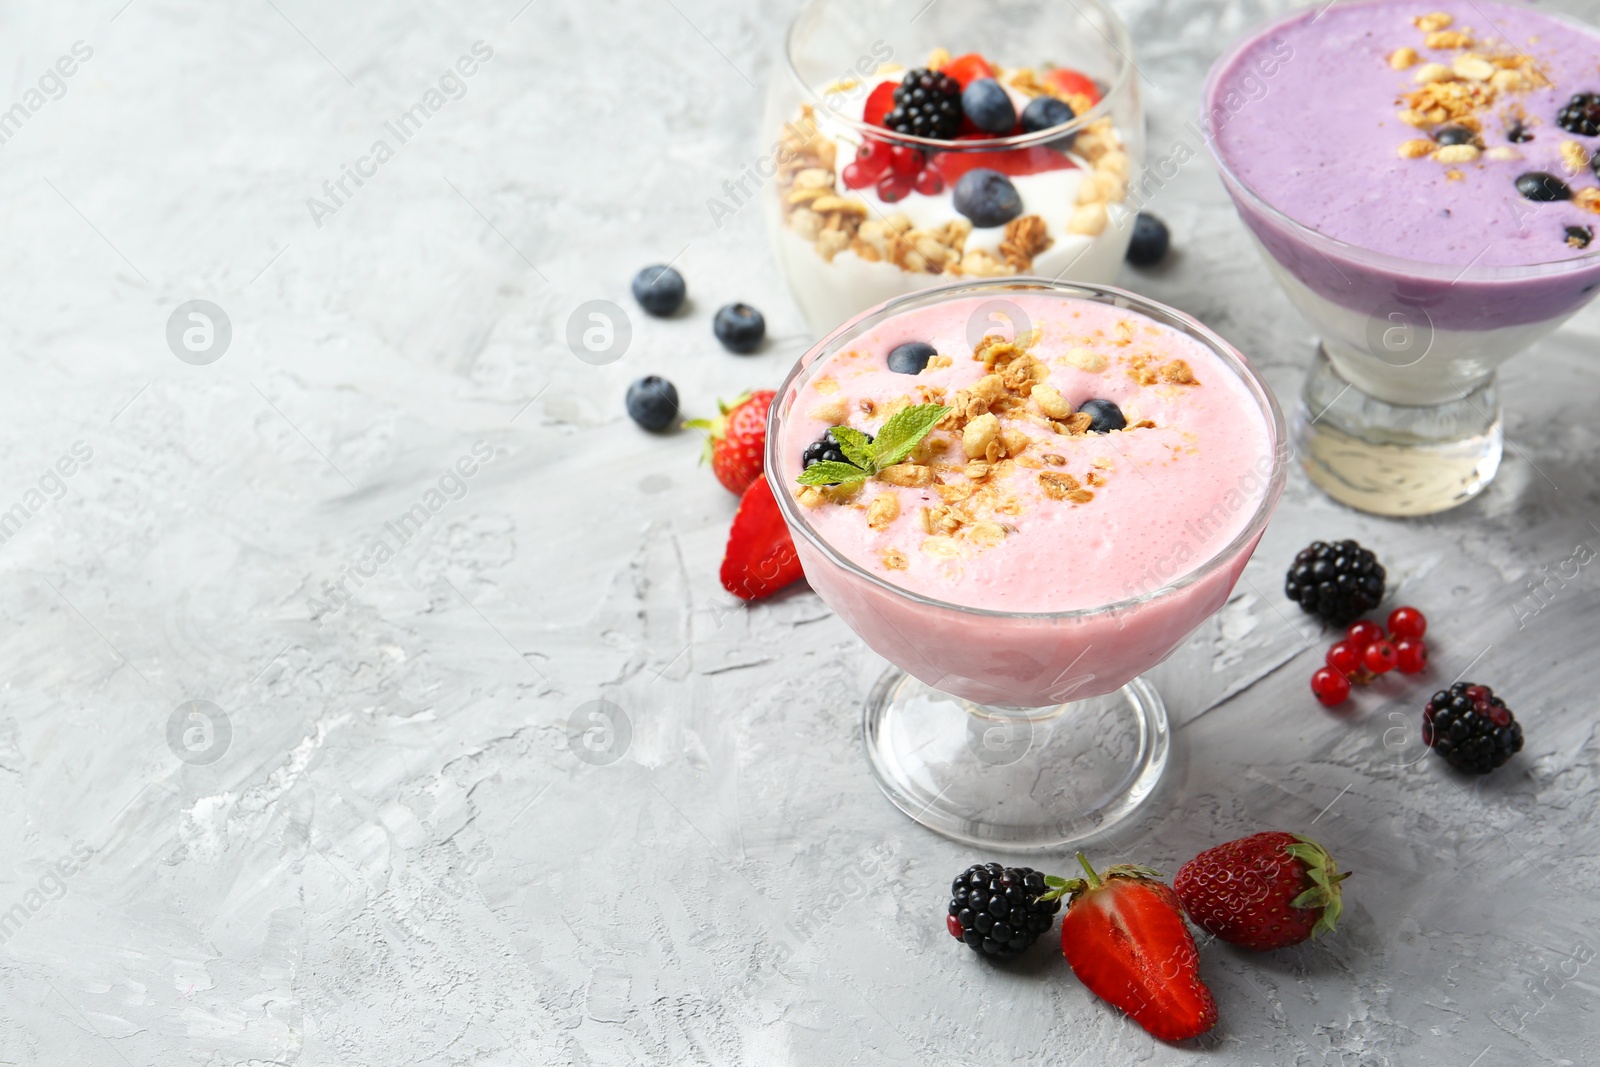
(1363, 633)
(874, 159)
(892, 187)
(1345, 657)
(1407, 622)
(856, 177)
(1329, 686)
(930, 182)
(1380, 657)
(905, 160)
(1411, 655)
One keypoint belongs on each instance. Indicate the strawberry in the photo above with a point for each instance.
(760, 557)
(736, 439)
(967, 69)
(1014, 162)
(1126, 940)
(879, 102)
(1073, 84)
(1264, 891)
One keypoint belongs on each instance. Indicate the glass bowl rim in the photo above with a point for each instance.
(1238, 188)
(1121, 44)
(793, 514)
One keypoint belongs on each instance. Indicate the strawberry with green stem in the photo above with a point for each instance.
(736, 439)
(1264, 891)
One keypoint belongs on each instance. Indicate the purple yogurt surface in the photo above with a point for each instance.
(1305, 115)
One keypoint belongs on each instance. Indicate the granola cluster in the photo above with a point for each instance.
(817, 206)
(1483, 82)
(1485, 77)
(973, 458)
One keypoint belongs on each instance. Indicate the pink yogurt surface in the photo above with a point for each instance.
(1174, 495)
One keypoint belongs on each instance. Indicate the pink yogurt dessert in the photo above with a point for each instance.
(1061, 529)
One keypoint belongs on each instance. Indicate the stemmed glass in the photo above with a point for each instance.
(1400, 411)
(1019, 730)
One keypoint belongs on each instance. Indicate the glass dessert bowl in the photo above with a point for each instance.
(1095, 479)
(1439, 223)
(871, 195)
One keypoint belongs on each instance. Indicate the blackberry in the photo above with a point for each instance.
(926, 104)
(1581, 115)
(825, 450)
(1337, 582)
(996, 910)
(1471, 728)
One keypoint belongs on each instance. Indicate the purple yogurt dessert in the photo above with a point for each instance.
(1401, 129)
(1421, 179)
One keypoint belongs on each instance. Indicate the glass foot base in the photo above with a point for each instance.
(1394, 459)
(1009, 778)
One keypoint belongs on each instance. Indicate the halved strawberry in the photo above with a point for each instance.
(879, 103)
(1011, 161)
(1074, 83)
(968, 69)
(760, 557)
(736, 439)
(1126, 940)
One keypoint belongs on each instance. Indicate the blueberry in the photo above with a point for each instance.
(1517, 133)
(1106, 416)
(911, 357)
(1449, 135)
(1043, 112)
(1150, 241)
(1579, 236)
(659, 289)
(653, 403)
(1543, 187)
(987, 197)
(989, 106)
(739, 327)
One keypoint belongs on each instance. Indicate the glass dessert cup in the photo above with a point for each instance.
(1400, 411)
(840, 259)
(1021, 730)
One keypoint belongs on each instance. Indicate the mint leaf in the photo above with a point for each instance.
(854, 444)
(901, 433)
(830, 473)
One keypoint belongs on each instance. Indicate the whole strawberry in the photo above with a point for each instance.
(1264, 891)
(1126, 940)
(736, 439)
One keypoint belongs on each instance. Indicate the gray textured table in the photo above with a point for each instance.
(383, 848)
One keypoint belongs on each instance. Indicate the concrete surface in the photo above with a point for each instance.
(384, 839)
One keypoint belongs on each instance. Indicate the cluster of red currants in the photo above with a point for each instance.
(1366, 652)
(895, 169)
